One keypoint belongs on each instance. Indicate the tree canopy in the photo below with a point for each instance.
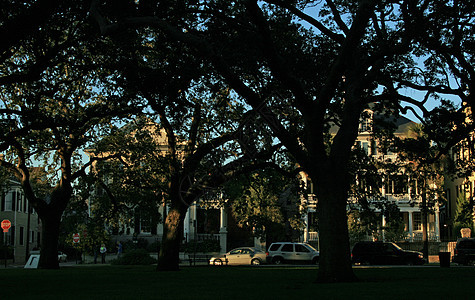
(302, 79)
(298, 67)
(56, 97)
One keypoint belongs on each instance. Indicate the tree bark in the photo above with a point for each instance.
(168, 259)
(335, 256)
(49, 242)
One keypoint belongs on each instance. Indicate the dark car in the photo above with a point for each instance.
(383, 253)
(464, 252)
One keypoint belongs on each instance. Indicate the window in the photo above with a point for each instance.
(374, 148)
(25, 206)
(13, 200)
(22, 236)
(417, 221)
(19, 201)
(301, 248)
(400, 184)
(7, 202)
(12, 235)
(288, 248)
(466, 244)
(365, 147)
(397, 184)
(365, 122)
(235, 252)
(309, 186)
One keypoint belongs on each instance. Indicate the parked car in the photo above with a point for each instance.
(464, 252)
(383, 253)
(240, 256)
(292, 253)
(62, 257)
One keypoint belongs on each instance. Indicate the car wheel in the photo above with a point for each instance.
(409, 263)
(218, 262)
(255, 262)
(315, 261)
(278, 260)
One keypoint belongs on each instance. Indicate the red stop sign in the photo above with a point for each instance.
(6, 224)
(76, 238)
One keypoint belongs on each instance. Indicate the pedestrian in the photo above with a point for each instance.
(119, 249)
(103, 251)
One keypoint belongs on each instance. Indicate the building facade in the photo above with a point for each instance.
(459, 185)
(25, 232)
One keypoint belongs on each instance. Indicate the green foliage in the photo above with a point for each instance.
(463, 215)
(361, 224)
(135, 257)
(394, 229)
(265, 200)
(366, 223)
(154, 247)
(132, 181)
(92, 235)
(201, 246)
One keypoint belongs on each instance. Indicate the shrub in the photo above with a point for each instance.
(138, 244)
(153, 247)
(135, 257)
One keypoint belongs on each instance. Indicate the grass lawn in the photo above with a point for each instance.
(137, 282)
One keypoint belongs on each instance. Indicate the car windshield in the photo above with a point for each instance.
(397, 247)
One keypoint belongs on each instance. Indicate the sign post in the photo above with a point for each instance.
(6, 224)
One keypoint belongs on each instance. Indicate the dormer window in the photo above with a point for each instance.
(366, 121)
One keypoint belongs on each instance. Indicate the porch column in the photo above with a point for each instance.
(382, 229)
(223, 231)
(193, 219)
(411, 226)
(437, 227)
(305, 230)
(186, 229)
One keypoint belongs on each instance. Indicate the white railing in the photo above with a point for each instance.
(207, 236)
(313, 236)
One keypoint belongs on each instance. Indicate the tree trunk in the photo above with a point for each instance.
(49, 243)
(335, 256)
(172, 235)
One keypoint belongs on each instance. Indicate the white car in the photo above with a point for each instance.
(240, 256)
(292, 252)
